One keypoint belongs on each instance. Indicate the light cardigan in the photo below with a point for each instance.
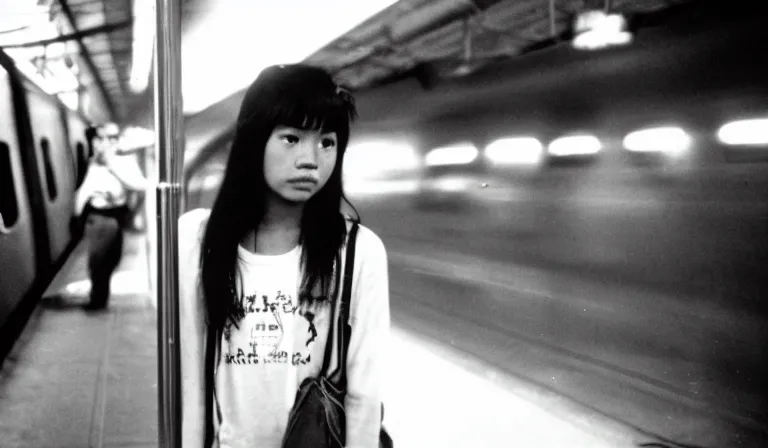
(369, 318)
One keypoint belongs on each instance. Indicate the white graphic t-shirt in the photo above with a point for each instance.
(262, 356)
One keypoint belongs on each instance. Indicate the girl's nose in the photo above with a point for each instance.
(307, 157)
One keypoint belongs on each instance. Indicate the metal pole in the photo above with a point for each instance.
(169, 143)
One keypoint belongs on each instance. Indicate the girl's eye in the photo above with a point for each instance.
(290, 139)
(328, 143)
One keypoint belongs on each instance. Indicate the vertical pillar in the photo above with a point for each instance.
(169, 135)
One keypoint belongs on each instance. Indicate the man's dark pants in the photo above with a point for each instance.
(104, 236)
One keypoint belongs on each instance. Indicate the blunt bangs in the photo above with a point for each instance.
(299, 96)
(322, 113)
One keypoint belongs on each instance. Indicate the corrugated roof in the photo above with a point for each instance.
(433, 38)
(457, 37)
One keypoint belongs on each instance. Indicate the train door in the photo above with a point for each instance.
(17, 246)
(56, 165)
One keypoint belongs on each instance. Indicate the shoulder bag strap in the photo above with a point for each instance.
(331, 334)
(339, 375)
(338, 321)
(210, 386)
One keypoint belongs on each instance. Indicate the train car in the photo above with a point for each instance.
(42, 161)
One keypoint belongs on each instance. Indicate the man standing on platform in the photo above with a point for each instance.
(101, 203)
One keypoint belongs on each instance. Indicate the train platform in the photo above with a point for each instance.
(89, 379)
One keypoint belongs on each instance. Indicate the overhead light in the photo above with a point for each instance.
(667, 139)
(752, 132)
(596, 30)
(463, 69)
(515, 151)
(575, 145)
(596, 40)
(461, 154)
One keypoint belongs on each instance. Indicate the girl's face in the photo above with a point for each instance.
(298, 163)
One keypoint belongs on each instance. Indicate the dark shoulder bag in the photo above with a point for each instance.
(317, 419)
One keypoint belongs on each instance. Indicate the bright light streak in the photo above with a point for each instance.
(374, 158)
(515, 151)
(451, 184)
(668, 139)
(744, 132)
(143, 43)
(452, 155)
(381, 187)
(574, 145)
(239, 38)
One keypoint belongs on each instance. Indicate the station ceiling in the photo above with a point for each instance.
(372, 44)
(457, 37)
(436, 38)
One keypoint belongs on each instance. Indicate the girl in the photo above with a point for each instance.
(258, 271)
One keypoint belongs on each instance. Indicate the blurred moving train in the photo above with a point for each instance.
(43, 157)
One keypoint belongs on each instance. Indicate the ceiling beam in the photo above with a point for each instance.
(89, 61)
(108, 28)
(13, 30)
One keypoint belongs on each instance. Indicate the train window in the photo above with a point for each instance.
(49, 177)
(80, 148)
(82, 162)
(9, 208)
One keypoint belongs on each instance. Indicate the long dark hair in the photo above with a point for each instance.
(299, 96)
